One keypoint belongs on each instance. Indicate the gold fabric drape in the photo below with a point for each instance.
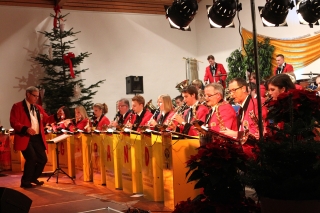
(299, 52)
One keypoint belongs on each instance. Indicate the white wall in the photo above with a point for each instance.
(123, 45)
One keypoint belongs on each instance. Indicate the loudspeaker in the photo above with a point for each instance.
(134, 84)
(13, 201)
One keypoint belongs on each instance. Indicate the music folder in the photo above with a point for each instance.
(58, 138)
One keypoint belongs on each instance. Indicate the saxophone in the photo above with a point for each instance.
(246, 134)
(221, 122)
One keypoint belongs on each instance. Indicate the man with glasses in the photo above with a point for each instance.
(123, 113)
(28, 120)
(196, 111)
(238, 89)
(221, 114)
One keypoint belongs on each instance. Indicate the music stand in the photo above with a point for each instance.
(58, 170)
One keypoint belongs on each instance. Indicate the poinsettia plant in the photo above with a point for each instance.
(216, 168)
(287, 166)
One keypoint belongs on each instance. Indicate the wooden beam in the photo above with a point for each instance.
(61, 2)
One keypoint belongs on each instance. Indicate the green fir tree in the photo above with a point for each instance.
(61, 89)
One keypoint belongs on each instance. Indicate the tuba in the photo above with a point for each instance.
(182, 85)
(151, 107)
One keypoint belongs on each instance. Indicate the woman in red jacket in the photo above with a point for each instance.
(99, 120)
(81, 121)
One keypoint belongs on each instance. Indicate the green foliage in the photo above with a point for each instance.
(58, 84)
(288, 163)
(239, 64)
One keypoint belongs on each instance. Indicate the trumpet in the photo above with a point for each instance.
(179, 111)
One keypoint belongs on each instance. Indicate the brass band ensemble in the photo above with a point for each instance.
(214, 106)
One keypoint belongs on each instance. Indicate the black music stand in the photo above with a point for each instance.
(58, 169)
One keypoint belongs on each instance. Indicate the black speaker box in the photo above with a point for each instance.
(13, 201)
(134, 85)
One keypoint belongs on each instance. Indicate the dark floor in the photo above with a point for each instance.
(68, 197)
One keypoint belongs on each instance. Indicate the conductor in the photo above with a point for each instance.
(28, 120)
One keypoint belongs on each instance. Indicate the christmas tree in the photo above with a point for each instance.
(61, 83)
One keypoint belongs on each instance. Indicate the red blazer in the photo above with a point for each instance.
(262, 91)
(20, 121)
(103, 123)
(144, 121)
(247, 120)
(208, 74)
(201, 113)
(287, 68)
(168, 118)
(227, 116)
(80, 125)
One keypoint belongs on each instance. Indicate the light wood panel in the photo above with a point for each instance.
(128, 6)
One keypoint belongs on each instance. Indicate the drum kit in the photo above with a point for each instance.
(311, 80)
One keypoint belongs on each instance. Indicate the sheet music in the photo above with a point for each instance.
(58, 139)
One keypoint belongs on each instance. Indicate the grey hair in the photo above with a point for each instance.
(217, 87)
(32, 89)
(125, 101)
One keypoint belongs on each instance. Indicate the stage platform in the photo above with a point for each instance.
(68, 197)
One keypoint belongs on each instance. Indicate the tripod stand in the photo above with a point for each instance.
(58, 169)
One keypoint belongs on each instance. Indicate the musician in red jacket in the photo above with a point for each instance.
(282, 67)
(123, 113)
(196, 111)
(221, 114)
(99, 120)
(28, 120)
(141, 115)
(81, 121)
(238, 88)
(165, 117)
(215, 73)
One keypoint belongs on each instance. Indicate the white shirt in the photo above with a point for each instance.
(33, 118)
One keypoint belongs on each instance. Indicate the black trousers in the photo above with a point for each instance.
(35, 157)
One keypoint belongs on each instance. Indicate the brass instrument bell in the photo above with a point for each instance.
(182, 85)
(151, 107)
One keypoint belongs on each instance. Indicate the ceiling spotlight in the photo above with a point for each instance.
(181, 13)
(308, 11)
(222, 12)
(275, 12)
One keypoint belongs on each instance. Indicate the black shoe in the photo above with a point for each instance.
(26, 185)
(38, 183)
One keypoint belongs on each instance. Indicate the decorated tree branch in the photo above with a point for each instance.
(62, 83)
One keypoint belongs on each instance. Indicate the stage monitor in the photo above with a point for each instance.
(134, 85)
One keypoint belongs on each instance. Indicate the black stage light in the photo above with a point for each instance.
(222, 12)
(181, 13)
(275, 12)
(308, 12)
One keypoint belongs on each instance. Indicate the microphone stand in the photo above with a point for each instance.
(256, 66)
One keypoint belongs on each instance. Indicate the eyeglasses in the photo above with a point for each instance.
(233, 90)
(36, 96)
(122, 105)
(209, 96)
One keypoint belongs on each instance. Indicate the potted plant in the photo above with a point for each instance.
(287, 167)
(216, 168)
(238, 64)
